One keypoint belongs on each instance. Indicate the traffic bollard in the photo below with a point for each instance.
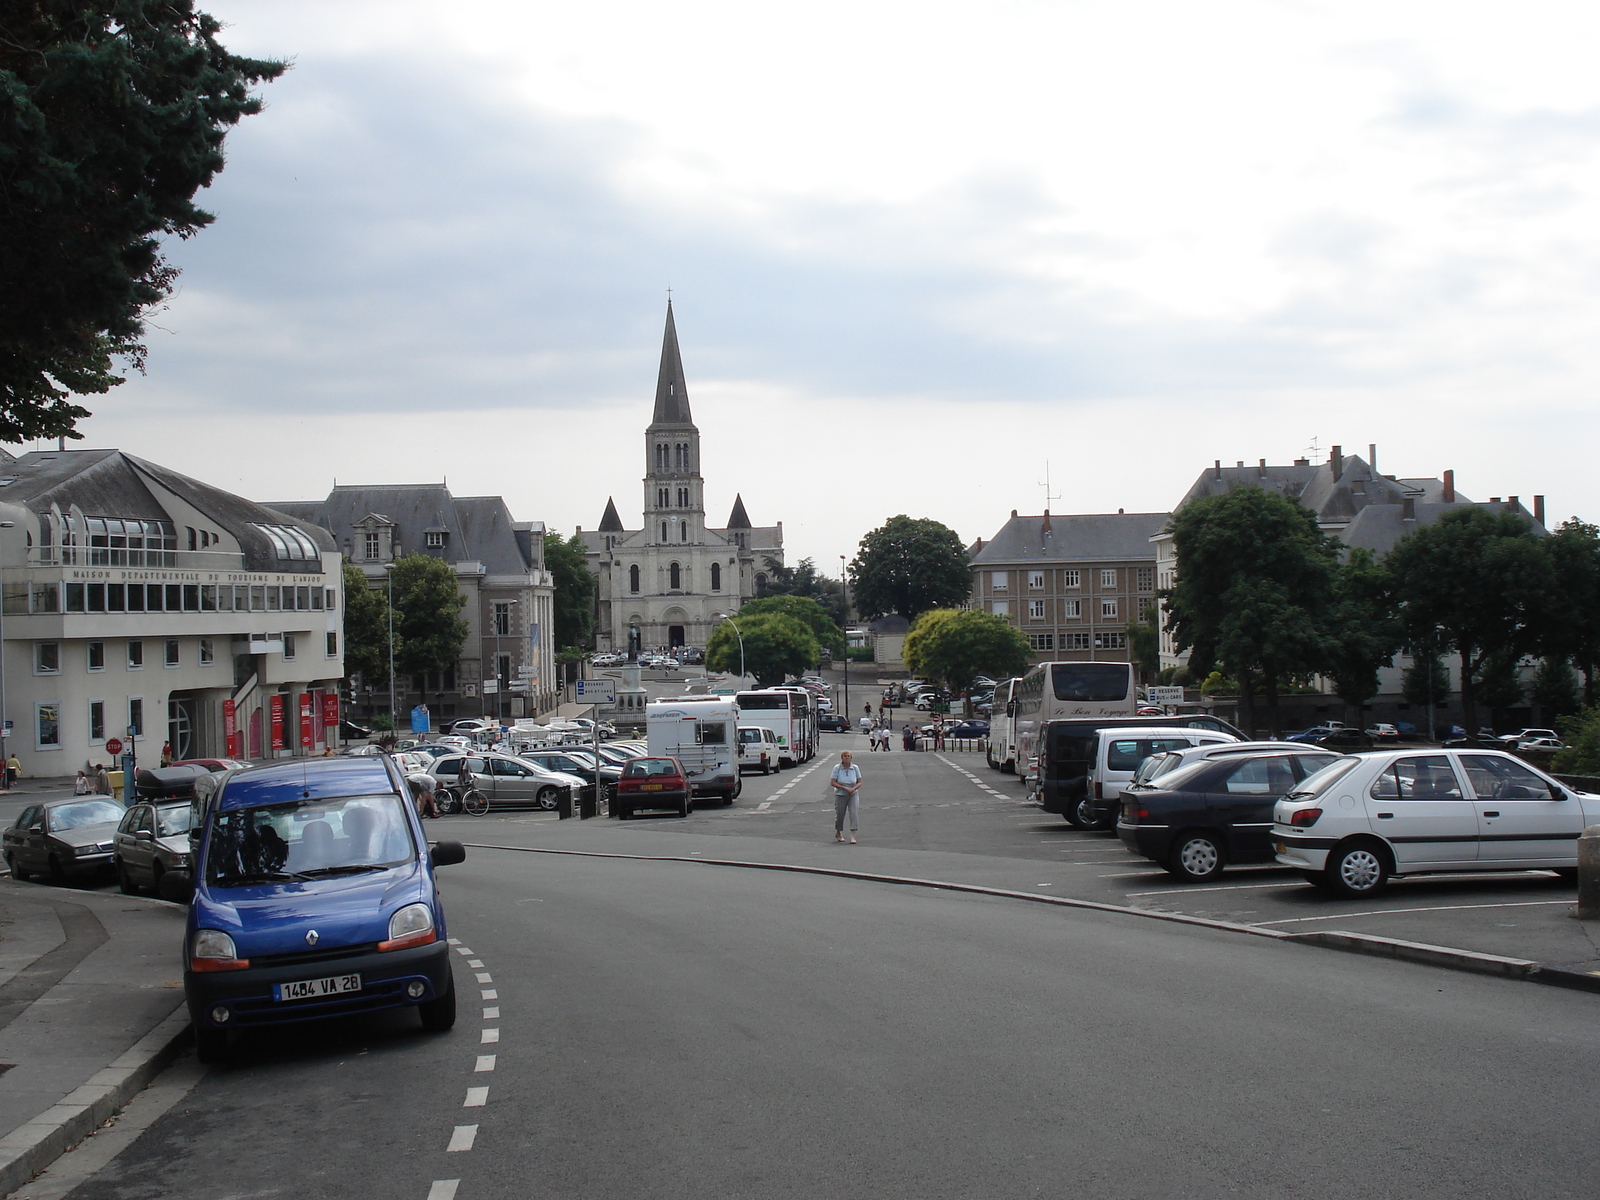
(564, 804)
(1589, 874)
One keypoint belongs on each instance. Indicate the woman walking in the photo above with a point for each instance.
(846, 780)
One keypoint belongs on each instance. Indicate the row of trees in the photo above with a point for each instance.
(428, 629)
(1268, 599)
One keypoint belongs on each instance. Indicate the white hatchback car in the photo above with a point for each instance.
(1366, 818)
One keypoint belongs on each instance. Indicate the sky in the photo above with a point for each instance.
(924, 256)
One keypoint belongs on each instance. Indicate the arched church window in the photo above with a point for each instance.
(716, 577)
(683, 531)
(663, 531)
(674, 577)
(633, 578)
(761, 583)
(661, 456)
(677, 457)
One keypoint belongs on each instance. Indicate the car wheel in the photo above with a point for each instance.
(155, 879)
(1088, 818)
(210, 1045)
(546, 799)
(125, 883)
(766, 766)
(57, 875)
(738, 788)
(17, 872)
(1196, 857)
(1357, 871)
(439, 1015)
(685, 807)
(988, 758)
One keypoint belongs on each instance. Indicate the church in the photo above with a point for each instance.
(669, 578)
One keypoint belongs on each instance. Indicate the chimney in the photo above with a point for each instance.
(1372, 457)
(1336, 461)
(1538, 509)
(1449, 487)
(1239, 464)
(1216, 468)
(1408, 508)
(1494, 499)
(1515, 502)
(1261, 468)
(1302, 462)
(1013, 512)
(1047, 521)
(1119, 512)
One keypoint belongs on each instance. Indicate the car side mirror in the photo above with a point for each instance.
(143, 835)
(1558, 793)
(447, 854)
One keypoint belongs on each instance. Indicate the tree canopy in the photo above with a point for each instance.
(803, 579)
(776, 645)
(807, 611)
(366, 630)
(574, 591)
(429, 631)
(908, 566)
(112, 116)
(955, 646)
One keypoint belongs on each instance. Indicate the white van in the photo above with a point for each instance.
(1117, 755)
(700, 732)
(758, 749)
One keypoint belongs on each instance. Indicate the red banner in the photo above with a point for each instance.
(275, 711)
(230, 730)
(305, 721)
(330, 708)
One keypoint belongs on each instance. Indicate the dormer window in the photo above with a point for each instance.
(371, 545)
(433, 539)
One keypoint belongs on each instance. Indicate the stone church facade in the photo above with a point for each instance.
(668, 577)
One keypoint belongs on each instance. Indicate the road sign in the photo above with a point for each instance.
(1164, 695)
(490, 687)
(596, 691)
(114, 746)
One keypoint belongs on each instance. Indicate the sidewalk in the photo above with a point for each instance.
(91, 1008)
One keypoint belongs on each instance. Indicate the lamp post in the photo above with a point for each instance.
(5, 728)
(394, 719)
(844, 617)
(502, 683)
(740, 636)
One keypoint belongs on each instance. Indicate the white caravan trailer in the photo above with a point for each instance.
(701, 733)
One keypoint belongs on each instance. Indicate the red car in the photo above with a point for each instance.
(652, 783)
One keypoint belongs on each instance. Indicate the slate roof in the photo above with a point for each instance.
(672, 393)
(111, 483)
(738, 518)
(610, 522)
(1377, 527)
(477, 528)
(1099, 537)
(1336, 496)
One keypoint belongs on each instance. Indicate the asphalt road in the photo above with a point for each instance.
(668, 1029)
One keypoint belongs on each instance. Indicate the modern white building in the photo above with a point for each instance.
(143, 606)
(669, 578)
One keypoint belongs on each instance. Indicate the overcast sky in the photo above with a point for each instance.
(920, 253)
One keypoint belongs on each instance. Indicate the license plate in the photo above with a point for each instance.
(307, 989)
(652, 787)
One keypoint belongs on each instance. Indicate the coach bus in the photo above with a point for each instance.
(1053, 690)
(1002, 753)
(790, 714)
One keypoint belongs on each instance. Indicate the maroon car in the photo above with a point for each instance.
(652, 783)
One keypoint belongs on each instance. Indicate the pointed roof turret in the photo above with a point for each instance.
(672, 394)
(611, 523)
(738, 518)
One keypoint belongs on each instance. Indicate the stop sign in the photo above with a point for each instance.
(114, 746)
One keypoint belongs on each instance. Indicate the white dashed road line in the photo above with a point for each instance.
(477, 1097)
(444, 1189)
(485, 1062)
(490, 1036)
(462, 1139)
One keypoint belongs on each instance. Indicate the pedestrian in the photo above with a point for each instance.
(166, 754)
(423, 786)
(867, 711)
(102, 781)
(908, 738)
(938, 735)
(80, 785)
(846, 782)
(13, 769)
(883, 736)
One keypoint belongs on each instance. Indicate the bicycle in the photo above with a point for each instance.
(474, 802)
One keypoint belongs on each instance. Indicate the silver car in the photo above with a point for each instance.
(509, 781)
(152, 839)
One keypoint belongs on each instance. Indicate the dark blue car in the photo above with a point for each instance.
(313, 897)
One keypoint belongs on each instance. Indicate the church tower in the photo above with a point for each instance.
(674, 501)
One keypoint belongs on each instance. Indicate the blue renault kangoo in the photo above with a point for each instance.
(314, 897)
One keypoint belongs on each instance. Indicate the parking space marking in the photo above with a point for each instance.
(444, 1189)
(1230, 887)
(1384, 912)
(462, 1139)
(490, 1037)
(485, 1063)
(485, 977)
(477, 1097)
(460, 949)
(474, 962)
(491, 1014)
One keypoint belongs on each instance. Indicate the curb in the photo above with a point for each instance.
(1446, 957)
(32, 1147)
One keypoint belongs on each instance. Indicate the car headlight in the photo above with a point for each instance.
(102, 848)
(410, 926)
(213, 950)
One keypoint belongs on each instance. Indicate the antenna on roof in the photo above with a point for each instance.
(1048, 495)
(1313, 452)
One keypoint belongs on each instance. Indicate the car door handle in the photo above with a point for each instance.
(1385, 816)
(1491, 814)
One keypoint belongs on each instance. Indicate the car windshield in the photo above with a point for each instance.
(650, 766)
(1315, 784)
(305, 840)
(173, 819)
(85, 812)
(1177, 779)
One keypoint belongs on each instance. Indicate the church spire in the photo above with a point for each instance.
(611, 522)
(738, 518)
(672, 394)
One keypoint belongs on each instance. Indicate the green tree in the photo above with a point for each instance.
(1144, 643)
(808, 612)
(776, 646)
(908, 566)
(1426, 681)
(1498, 687)
(366, 630)
(1254, 591)
(1366, 634)
(574, 591)
(955, 646)
(429, 631)
(1479, 583)
(1582, 735)
(112, 116)
(1555, 690)
(1574, 628)
(803, 579)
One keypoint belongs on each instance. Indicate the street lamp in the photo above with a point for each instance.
(737, 634)
(394, 720)
(844, 617)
